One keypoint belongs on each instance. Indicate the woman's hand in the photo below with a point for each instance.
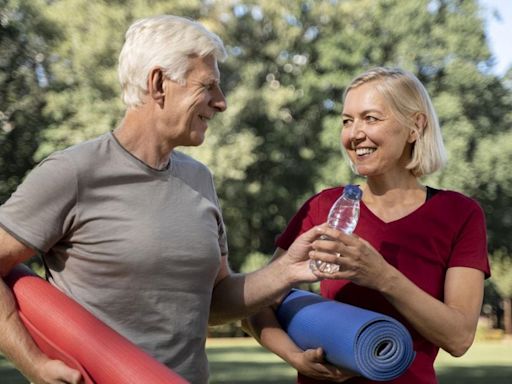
(357, 259)
(311, 363)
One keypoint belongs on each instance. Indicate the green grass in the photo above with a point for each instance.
(243, 361)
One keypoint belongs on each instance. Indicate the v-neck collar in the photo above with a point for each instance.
(431, 193)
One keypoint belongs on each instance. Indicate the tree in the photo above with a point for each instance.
(285, 78)
(289, 62)
(502, 280)
(84, 96)
(25, 37)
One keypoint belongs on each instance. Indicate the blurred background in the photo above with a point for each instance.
(278, 142)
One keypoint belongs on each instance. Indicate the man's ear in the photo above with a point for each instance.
(156, 87)
(420, 122)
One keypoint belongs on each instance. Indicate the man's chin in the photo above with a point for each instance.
(195, 141)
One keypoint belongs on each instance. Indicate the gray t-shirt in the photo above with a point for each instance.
(140, 248)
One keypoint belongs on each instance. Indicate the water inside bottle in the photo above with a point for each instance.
(342, 218)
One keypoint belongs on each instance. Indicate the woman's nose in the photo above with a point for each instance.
(357, 131)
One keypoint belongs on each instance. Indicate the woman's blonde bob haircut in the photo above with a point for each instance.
(164, 41)
(407, 97)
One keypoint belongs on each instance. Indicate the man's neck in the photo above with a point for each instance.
(138, 135)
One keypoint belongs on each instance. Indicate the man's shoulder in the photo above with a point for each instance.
(85, 148)
(181, 160)
(72, 158)
(80, 152)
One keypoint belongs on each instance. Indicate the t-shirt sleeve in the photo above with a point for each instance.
(40, 211)
(303, 220)
(223, 241)
(470, 246)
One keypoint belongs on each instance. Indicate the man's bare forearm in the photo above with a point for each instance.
(15, 341)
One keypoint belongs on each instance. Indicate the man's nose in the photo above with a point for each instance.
(219, 101)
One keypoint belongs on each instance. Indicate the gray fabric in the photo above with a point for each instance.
(138, 247)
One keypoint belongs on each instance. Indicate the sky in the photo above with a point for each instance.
(499, 32)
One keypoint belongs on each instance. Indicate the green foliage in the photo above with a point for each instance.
(502, 273)
(285, 78)
(289, 62)
(254, 261)
(84, 97)
(24, 39)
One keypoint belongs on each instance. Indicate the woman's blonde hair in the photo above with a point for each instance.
(407, 97)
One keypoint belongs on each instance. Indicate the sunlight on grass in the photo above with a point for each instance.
(481, 353)
(244, 361)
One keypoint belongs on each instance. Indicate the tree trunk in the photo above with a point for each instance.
(507, 315)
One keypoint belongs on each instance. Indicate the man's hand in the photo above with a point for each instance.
(296, 259)
(56, 372)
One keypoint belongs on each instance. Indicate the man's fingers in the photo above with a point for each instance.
(67, 374)
(314, 233)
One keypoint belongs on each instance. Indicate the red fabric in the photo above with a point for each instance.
(64, 330)
(447, 231)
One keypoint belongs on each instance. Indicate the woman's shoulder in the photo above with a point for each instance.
(330, 192)
(326, 195)
(455, 201)
(454, 197)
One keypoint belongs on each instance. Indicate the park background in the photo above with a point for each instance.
(278, 142)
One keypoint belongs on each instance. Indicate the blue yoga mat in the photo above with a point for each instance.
(374, 345)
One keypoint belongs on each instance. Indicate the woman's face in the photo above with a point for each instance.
(376, 142)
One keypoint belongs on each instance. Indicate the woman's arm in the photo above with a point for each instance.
(265, 328)
(450, 325)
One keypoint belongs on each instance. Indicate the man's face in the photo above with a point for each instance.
(189, 107)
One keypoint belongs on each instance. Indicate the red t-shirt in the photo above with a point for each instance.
(448, 230)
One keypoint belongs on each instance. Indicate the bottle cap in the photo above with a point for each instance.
(353, 192)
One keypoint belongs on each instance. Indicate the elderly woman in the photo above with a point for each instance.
(418, 254)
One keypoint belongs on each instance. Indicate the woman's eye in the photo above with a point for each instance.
(346, 122)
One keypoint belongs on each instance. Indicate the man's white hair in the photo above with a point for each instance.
(164, 41)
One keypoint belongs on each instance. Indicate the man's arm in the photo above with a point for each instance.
(15, 341)
(236, 296)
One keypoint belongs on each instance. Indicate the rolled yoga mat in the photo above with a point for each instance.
(66, 331)
(371, 344)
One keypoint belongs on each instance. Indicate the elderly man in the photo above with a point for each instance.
(131, 228)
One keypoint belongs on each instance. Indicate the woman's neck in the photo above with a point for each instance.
(394, 200)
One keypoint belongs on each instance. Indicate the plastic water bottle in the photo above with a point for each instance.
(343, 216)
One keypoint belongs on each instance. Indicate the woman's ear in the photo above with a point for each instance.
(156, 85)
(420, 122)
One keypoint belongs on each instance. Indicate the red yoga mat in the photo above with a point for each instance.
(66, 331)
